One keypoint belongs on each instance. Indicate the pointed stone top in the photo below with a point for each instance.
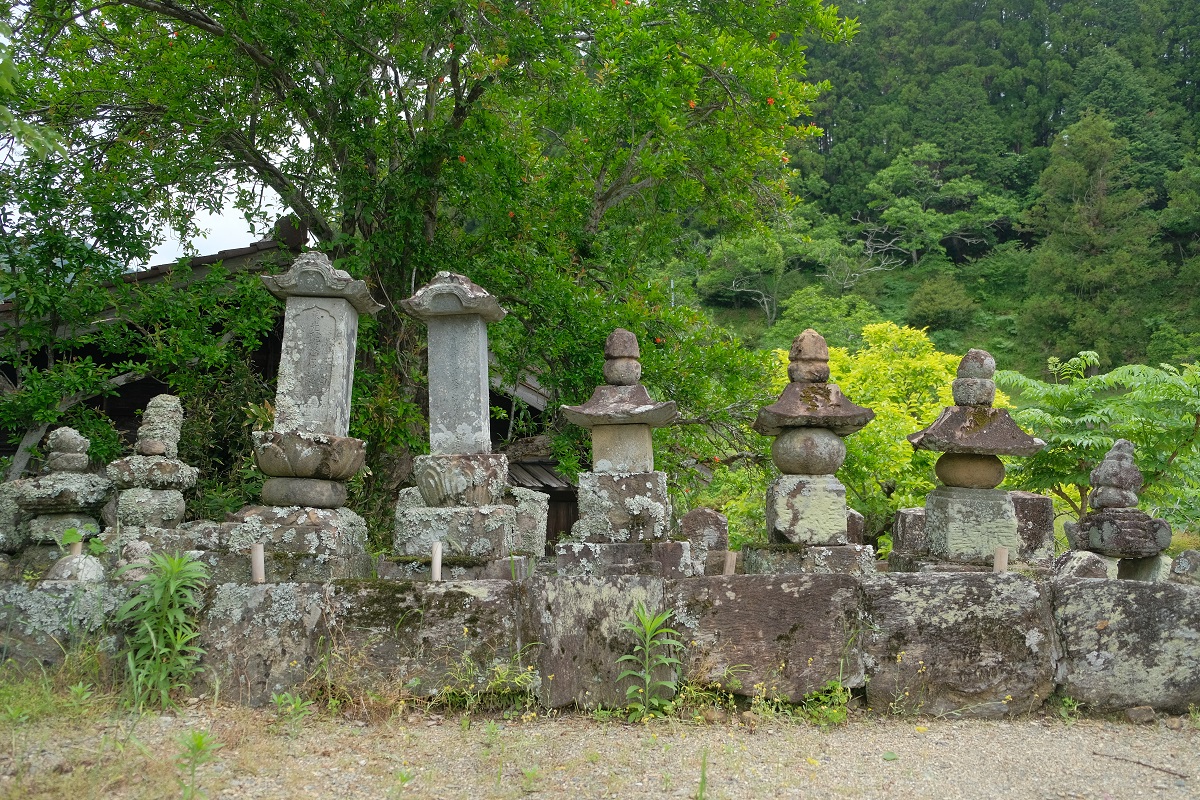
(976, 430)
(621, 400)
(450, 294)
(313, 275)
(977, 364)
(810, 401)
(809, 358)
(1116, 480)
(621, 344)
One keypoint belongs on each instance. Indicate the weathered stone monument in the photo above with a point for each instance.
(1116, 539)
(967, 518)
(463, 498)
(806, 507)
(67, 497)
(306, 531)
(624, 511)
(151, 482)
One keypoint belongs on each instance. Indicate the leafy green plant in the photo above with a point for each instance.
(702, 789)
(504, 685)
(650, 696)
(198, 748)
(828, 705)
(160, 649)
(1068, 709)
(290, 711)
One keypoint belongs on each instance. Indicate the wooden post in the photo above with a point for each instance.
(730, 562)
(435, 565)
(77, 548)
(258, 563)
(1000, 562)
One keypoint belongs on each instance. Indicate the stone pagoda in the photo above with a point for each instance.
(624, 511)
(463, 498)
(67, 497)
(806, 506)
(308, 456)
(967, 517)
(1116, 539)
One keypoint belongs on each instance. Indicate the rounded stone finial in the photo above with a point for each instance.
(67, 440)
(1116, 480)
(621, 354)
(977, 364)
(809, 358)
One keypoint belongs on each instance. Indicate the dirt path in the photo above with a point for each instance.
(423, 756)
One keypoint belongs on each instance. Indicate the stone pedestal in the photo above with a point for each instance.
(807, 509)
(622, 508)
(591, 559)
(707, 531)
(967, 525)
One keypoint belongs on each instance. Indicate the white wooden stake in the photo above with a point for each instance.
(258, 563)
(77, 548)
(1000, 562)
(730, 562)
(435, 565)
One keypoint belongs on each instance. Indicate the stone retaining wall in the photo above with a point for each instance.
(974, 644)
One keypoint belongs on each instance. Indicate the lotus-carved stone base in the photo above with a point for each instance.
(294, 454)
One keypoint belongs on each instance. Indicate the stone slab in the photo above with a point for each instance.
(286, 567)
(533, 509)
(151, 472)
(316, 365)
(1186, 568)
(631, 507)
(40, 622)
(666, 559)
(460, 479)
(50, 528)
(1155, 569)
(418, 568)
(851, 559)
(578, 622)
(480, 532)
(1035, 527)
(459, 418)
(782, 635)
(908, 532)
(972, 645)
(1085, 564)
(774, 559)
(156, 508)
(967, 525)
(807, 509)
(1128, 643)
(328, 532)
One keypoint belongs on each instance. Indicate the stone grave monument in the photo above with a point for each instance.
(967, 517)
(1115, 539)
(463, 499)
(306, 531)
(624, 511)
(807, 519)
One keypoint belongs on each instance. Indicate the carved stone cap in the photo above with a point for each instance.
(812, 405)
(448, 295)
(621, 405)
(312, 275)
(976, 430)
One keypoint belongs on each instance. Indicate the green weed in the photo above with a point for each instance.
(655, 644)
(198, 748)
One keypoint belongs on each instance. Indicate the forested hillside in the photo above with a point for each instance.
(1018, 175)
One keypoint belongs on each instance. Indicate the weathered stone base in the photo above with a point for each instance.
(970, 645)
(456, 568)
(49, 528)
(326, 532)
(286, 567)
(807, 509)
(907, 562)
(1155, 569)
(908, 532)
(852, 559)
(967, 525)
(622, 507)
(1084, 564)
(1035, 528)
(472, 531)
(664, 559)
(1128, 643)
(809, 636)
(157, 508)
(474, 479)
(532, 510)
(955, 644)
(1120, 533)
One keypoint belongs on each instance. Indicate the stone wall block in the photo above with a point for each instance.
(578, 621)
(480, 532)
(978, 645)
(786, 635)
(1128, 643)
(967, 525)
(631, 507)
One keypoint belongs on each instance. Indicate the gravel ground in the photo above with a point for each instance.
(575, 756)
